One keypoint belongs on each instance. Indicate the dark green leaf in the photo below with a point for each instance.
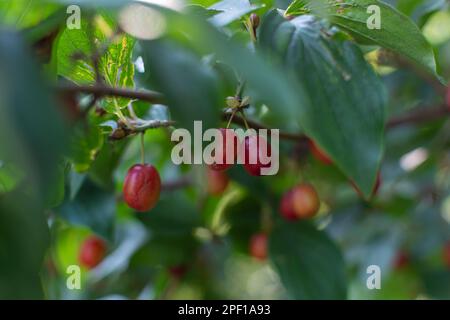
(347, 110)
(308, 262)
(397, 31)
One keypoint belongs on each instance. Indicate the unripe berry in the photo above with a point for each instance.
(258, 246)
(92, 252)
(255, 149)
(319, 154)
(446, 254)
(178, 271)
(305, 201)
(229, 146)
(254, 19)
(287, 208)
(142, 187)
(217, 182)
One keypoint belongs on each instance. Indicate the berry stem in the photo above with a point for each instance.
(231, 118)
(245, 119)
(142, 148)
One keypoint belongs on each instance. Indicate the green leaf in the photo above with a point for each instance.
(118, 70)
(25, 13)
(85, 144)
(23, 242)
(32, 133)
(171, 224)
(92, 207)
(231, 10)
(115, 65)
(10, 177)
(191, 87)
(32, 137)
(346, 113)
(308, 262)
(282, 95)
(398, 32)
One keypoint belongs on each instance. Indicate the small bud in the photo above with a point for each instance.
(254, 19)
(118, 134)
(233, 102)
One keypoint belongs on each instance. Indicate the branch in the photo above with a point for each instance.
(106, 91)
(420, 115)
(124, 131)
(255, 125)
(417, 116)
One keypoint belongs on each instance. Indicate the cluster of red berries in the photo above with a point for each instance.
(253, 145)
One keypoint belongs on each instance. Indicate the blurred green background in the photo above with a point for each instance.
(61, 175)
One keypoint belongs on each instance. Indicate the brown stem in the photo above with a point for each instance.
(416, 116)
(419, 116)
(106, 91)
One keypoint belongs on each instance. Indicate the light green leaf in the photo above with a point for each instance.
(231, 10)
(397, 31)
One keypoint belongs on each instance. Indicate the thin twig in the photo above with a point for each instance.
(106, 91)
(416, 116)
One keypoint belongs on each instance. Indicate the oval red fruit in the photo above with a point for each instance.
(401, 260)
(286, 207)
(92, 252)
(319, 154)
(229, 146)
(142, 187)
(305, 201)
(217, 182)
(258, 246)
(255, 149)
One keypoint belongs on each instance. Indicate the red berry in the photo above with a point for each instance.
(446, 254)
(217, 182)
(227, 148)
(375, 189)
(178, 271)
(319, 154)
(401, 260)
(258, 246)
(305, 201)
(92, 252)
(286, 207)
(142, 187)
(256, 148)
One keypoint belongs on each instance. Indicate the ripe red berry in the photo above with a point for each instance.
(319, 154)
(446, 254)
(217, 182)
(255, 149)
(375, 189)
(401, 260)
(286, 207)
(258, 246)
(305, 201)
(229, 146)
(142, 187)
(92, 252)
(178, 271)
